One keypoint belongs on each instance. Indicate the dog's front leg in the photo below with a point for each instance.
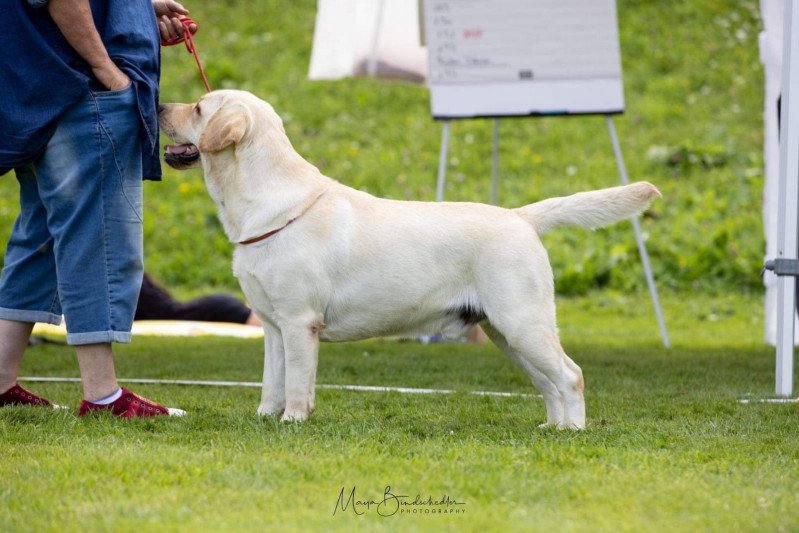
(301, 344)
(273, 392)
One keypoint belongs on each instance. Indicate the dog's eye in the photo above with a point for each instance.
(197, 110)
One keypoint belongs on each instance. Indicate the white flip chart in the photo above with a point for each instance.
(489, 58)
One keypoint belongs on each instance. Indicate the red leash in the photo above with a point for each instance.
(189, 39)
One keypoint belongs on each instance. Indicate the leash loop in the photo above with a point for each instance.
(187, 37)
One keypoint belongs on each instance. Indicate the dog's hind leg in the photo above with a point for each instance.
(273, 393)
(552, 398)
(517, 296)
(570, 383)
(537, 347)
(301, 344)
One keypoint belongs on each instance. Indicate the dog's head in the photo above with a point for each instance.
(218, 124)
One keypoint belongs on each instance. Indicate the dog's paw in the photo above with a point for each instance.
(270, 409)
(571, 425)
(294, 416)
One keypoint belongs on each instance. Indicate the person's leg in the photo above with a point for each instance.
(93, 213)
(90, 184)
(28, 291)
(96, 363)
(13, 341)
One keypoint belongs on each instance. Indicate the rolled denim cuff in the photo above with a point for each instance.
(98, 337)
(38, 4)
(24, 315)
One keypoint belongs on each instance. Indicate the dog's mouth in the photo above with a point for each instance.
(181, 156)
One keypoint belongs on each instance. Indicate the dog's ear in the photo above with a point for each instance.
(226, 126)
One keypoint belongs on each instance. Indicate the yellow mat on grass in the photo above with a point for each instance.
(172, 328)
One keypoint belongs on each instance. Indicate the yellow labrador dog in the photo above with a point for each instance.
(318, 260)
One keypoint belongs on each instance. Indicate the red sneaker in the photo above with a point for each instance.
(130, 405)
(16, 395)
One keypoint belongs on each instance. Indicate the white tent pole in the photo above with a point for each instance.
(788, 200)
(639, 238)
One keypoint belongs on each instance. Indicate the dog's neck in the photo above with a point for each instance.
(258, 194)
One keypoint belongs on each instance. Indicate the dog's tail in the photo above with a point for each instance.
(592, 209)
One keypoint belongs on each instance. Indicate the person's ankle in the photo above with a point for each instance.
(109, 399)
(6, 385)
(96, 394)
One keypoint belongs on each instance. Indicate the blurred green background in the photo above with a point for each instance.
(693, 126)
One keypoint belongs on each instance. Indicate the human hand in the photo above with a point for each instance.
(111, 76)
(169, 13)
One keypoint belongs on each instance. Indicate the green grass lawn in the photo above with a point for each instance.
(667, 446)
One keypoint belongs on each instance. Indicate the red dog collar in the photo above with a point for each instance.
(265, 235)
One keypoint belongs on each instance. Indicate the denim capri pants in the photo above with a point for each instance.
(76, 247)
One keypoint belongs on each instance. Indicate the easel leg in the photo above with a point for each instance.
(495, 164)
(442, 162)
(650, 280)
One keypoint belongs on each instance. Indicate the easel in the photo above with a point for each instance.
(650, 280)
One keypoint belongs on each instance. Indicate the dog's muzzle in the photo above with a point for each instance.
(181, 156)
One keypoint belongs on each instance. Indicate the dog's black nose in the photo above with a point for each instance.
(161, 108)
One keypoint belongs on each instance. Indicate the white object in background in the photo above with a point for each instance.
(378, 38)
(496, 58)
(788, 197)
(771, 44)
